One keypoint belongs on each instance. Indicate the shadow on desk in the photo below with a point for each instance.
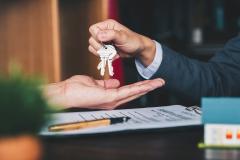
(173, 144)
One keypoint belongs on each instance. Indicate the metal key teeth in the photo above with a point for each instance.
(107, 54)
(99, 67)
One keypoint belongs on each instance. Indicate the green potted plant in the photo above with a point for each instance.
(23, 111)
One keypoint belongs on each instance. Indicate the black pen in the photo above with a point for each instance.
(87, 124)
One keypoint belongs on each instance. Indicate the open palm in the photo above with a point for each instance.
(86, 92)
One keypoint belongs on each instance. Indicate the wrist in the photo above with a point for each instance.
(147, 52)
(55, 95)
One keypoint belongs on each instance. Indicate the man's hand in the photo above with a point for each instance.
(128, 43)
(85, 92)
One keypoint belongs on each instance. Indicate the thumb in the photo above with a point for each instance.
(118, 37)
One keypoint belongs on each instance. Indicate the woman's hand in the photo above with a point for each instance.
(85, 92)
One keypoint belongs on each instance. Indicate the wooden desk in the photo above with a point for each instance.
(162, 145)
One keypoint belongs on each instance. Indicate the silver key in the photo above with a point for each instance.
(107, 53)
(110, 60)
(103, 60)
(101, 66)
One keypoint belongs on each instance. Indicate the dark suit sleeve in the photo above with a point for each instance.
(192, 79)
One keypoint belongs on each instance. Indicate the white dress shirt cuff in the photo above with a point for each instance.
(148, 72)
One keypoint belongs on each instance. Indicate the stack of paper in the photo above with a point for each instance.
(141, 118)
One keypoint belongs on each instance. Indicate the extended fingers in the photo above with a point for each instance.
(138, 88)
(130, 92)
(115, 97)
(156, 83)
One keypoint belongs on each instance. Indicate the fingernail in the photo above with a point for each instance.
(161, 81)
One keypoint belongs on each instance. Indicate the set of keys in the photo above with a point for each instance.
(106, 53)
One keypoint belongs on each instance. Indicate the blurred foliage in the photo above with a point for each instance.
(23, 107)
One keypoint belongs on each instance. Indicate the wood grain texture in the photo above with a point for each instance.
(76, 16)
(29, 36)
(49, 37)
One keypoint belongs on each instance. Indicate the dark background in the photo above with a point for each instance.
(173, 23)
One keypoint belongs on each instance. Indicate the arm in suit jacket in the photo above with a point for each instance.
(192, 79)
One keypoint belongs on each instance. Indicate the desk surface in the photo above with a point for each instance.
(165, 145)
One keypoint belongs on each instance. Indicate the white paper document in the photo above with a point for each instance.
(141, 118)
